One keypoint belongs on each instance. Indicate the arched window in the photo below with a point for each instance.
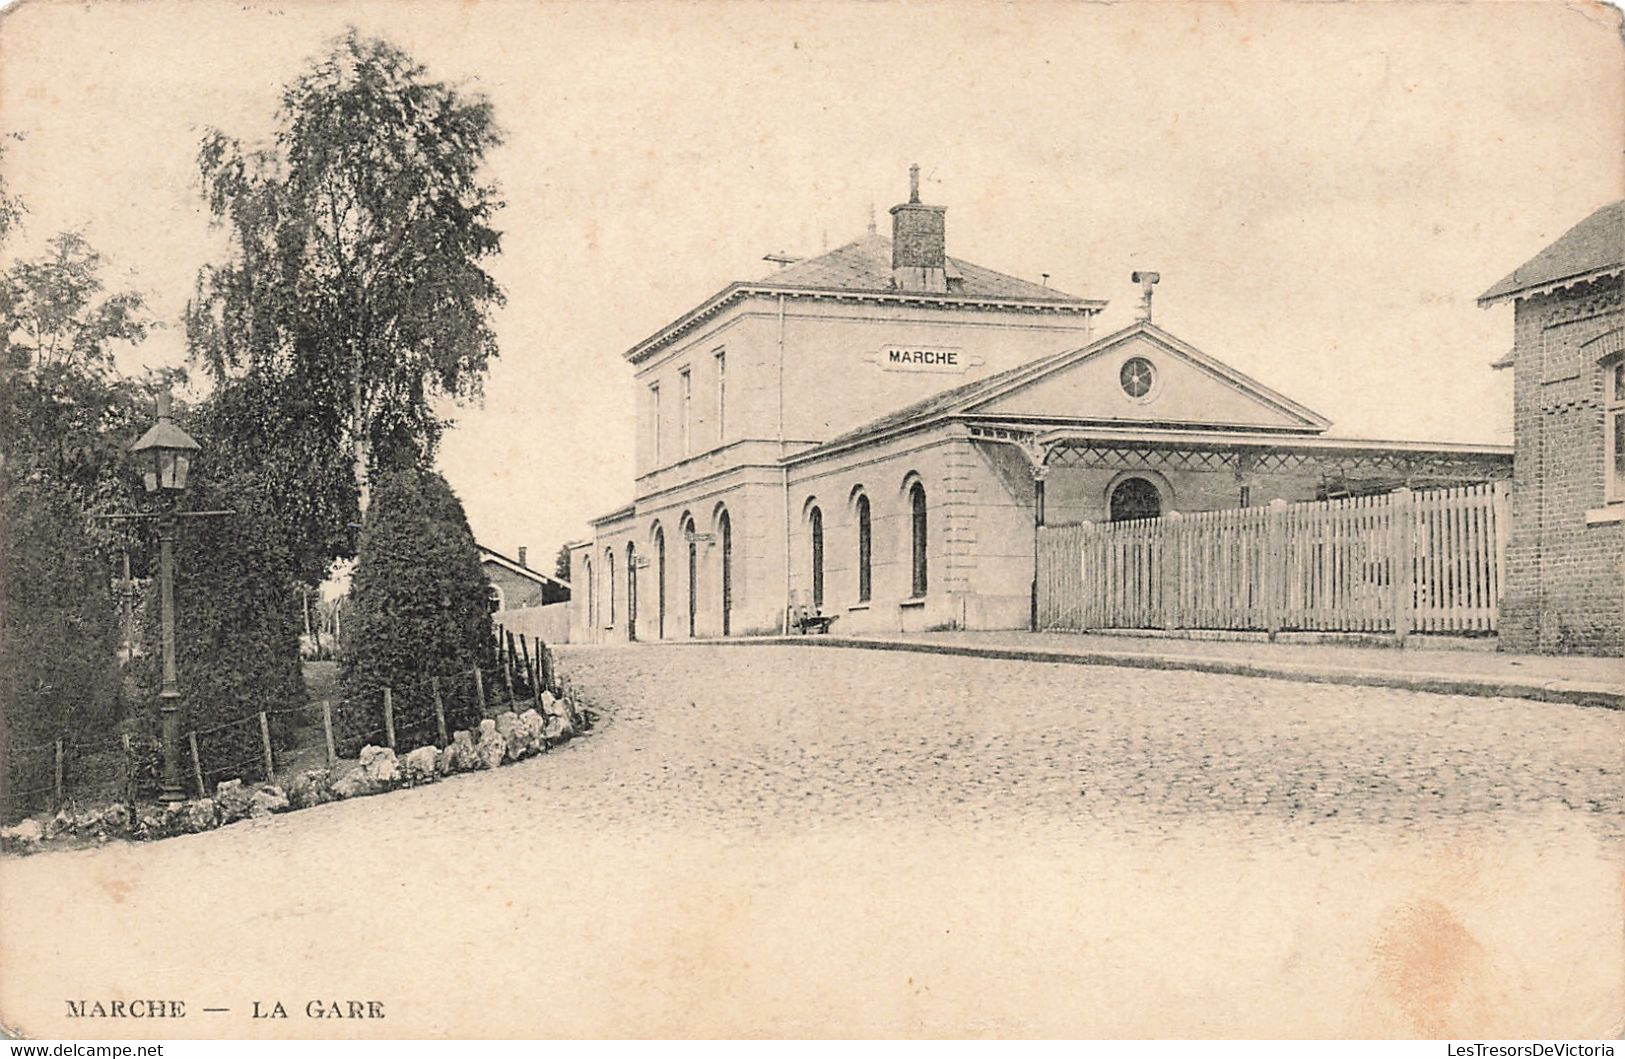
(693, 574)
(609, 585)
(660, 582)
(725, 531)
(916, 503)
(1135, 498)
(631, 591)
(865, 549)
(493, 593)
(815, 528)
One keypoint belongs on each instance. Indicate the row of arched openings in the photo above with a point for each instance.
(692, 542)
(919, 547)
(1133, 498)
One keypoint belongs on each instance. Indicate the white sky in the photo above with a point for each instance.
(1324, 188)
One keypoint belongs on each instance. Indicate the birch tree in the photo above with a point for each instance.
(359, 236)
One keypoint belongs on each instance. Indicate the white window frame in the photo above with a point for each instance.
(1613, 403)
(721, 358)
(687, 383)
(654, 393)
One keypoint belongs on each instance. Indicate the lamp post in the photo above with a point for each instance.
(165, 452)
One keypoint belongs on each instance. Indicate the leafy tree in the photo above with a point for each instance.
(11, 207)
(65, 417)
(552, 593)
(63, 409)
(58, 627)
(237, 620)
(418, 609)
(283, 444)
(356, 285)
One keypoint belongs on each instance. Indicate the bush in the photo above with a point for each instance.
(418, 609)
(58, 629)
(237, 626)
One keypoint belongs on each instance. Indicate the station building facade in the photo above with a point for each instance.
(876, 433)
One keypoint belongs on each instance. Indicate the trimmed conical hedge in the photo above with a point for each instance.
(418, 609)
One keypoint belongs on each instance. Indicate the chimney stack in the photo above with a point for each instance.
(1146, 280)
(522, 557)
(918, 233)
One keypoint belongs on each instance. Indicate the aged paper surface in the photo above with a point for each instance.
(1325, 191)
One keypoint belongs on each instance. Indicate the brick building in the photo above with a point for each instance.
(876, 433)
(1564, 557)
(514, 584)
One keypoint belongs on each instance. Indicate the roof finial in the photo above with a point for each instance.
(1146, 280)
(871, 216)
(914, 182)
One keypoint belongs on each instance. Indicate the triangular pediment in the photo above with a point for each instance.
(1144, 375)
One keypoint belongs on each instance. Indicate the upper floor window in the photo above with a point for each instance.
(654, 403)
(686, 382)
(1614, 423)
(722, 395)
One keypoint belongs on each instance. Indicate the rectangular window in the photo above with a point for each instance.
(654, 403)
(722, 396)
(1614, 423)
(687, 381)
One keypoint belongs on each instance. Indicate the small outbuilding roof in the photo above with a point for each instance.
(1593, 248)
(496, 558)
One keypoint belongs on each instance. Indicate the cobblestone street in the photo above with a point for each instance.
(782, 841)
(865, 735)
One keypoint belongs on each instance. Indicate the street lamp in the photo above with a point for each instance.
(165, 454)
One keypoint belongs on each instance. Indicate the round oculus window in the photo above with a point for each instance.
(1137, 376)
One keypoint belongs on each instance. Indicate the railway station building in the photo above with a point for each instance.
(876, 433)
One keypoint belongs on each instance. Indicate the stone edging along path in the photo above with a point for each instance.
(1574, 692)
(501, 740)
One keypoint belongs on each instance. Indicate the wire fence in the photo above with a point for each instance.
(275, 745)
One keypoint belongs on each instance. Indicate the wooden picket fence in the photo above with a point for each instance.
(1399, 563)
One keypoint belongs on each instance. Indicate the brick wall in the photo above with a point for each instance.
(1564, 590)
(516, 591)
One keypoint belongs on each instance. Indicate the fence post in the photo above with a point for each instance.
(1173, 616)
(1274, 571)
(1503, 526)
(129, 772)
(479, 689)
(1404, 562)
(265, 745)
(439, 711)
(327, 730)
(1087, 589)
(389, 718)
(57, 785)
(524, 651)
(197, 765)
(507, 679)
